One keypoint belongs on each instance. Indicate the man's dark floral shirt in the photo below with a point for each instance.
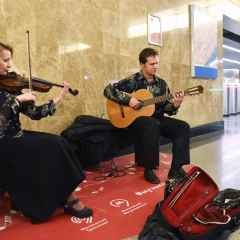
(119, 92)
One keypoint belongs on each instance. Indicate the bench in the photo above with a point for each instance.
(95, 139)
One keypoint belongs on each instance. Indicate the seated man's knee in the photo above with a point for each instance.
(147, 124)
(185, 127)
(151, 123)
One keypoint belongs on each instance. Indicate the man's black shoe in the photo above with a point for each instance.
(151, 177)
(176, 174)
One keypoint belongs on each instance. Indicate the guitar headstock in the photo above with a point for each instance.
(194, 90)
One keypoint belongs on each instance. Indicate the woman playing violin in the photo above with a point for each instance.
(38, 170)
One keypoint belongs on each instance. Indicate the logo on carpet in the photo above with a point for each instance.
(119, 203)
(133, 208)
(6, 223)
(88, 225)
(149, 190)
(123, 203)
(82, 220)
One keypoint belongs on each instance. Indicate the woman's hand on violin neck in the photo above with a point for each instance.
(26, 97)
(62, 93)
(66, 87)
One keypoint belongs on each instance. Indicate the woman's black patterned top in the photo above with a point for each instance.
(10, 110)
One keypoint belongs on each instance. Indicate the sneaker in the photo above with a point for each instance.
(151, 177)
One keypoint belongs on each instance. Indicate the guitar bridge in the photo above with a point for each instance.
(121, 110)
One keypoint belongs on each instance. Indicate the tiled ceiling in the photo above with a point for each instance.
(231, 54)
(231, 43)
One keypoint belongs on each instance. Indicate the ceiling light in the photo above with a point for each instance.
(230, 60)
(231, 48)
(73, 48)
(137, 30)
(231, 70)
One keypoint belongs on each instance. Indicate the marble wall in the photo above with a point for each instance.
(92, 42)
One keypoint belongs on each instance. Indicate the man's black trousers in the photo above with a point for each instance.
(147, 132)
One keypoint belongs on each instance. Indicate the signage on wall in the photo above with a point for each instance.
(203, 29)
(154, 30)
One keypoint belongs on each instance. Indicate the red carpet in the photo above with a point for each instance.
(121, 205)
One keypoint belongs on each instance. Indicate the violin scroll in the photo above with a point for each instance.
(74, 92)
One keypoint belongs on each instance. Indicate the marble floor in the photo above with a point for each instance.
(219, 155)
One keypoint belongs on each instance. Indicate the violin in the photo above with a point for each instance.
(13, 82)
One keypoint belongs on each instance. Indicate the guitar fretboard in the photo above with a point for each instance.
(154, 100)
(160, 99)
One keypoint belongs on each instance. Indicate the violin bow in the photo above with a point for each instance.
(29, 62)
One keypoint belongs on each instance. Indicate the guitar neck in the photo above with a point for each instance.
(154, 100)
(160, 99)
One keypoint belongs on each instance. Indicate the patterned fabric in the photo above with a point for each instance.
(119, 92)
(10, 109)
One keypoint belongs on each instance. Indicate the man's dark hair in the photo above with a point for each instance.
(145, 53)
(7, 47)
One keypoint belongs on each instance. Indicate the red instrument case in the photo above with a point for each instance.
(190, 208)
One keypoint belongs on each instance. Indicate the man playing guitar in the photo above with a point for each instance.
(147, 129)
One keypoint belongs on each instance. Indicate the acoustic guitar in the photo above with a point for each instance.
(122, 116)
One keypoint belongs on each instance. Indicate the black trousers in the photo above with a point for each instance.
(147, 132)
